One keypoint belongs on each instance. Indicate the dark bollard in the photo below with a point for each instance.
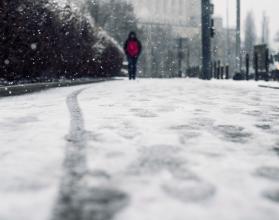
(218, 69)
(211, 70)
(222, 72)
(227, 71)
(256, 58)
(199, 71)
(267, 64)
(215, 69)
(192, 72)
(247, 66)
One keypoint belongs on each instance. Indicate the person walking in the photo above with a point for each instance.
(132, 48)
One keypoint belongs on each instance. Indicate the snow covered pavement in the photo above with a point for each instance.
(151, 149)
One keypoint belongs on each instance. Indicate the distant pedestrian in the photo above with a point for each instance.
(132, 50)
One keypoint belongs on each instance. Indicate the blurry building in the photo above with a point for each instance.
(224, 45)
(165, 22)
(184, 15)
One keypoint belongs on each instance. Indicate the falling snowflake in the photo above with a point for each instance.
(7, 62)
(33, 46)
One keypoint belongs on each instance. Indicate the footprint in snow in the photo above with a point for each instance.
(272, 195)
(233, 133)
(189, 191)
(270, 173)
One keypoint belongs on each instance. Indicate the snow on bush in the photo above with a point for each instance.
(53, 39)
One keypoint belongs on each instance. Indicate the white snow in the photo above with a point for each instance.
(180, 149)
(32, 130)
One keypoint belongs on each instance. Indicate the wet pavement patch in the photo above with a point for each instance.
(183, 184)
(87, 203)
(157, 158)
(263, 126)
(184, 127)
(202, 122)
(96, 137)
(271, 173)
(254, 113)
(190, 191)
(128, 131)
(276, 149)
(146, 114)
(20, 121)
(184, 174)
(4, 154)
(272, 195)
(77, 199)
(200, 111)
(99, 174)
(233, 133)
(185, 137)
(155, 163)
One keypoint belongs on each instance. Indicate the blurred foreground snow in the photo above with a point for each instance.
(152, 149)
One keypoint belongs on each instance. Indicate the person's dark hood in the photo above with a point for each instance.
(132, 35)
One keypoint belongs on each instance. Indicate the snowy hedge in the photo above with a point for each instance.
(44, 38)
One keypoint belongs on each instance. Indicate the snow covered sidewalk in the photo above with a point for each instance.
(151, 149)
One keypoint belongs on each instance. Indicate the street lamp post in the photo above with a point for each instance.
(206, 41)
(238, 37)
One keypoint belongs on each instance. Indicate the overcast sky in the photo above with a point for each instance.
(271, 7)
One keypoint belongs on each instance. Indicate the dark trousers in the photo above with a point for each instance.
(132, 67)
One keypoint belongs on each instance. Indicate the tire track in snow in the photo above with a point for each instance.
(77, 199)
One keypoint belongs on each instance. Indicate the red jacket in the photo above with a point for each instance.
(132, 47)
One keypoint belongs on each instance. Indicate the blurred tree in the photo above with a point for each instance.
(115, 17)
(93, 8)
(44, 40)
